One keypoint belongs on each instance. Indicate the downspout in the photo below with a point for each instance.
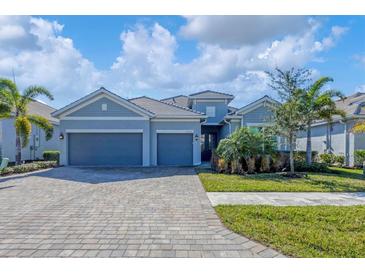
(345, 148)
(229, 125)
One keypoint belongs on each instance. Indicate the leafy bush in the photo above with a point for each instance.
(359, 157)
(299, 156)
(340, 159)
(332, 159)
(28, 167)
(302, 166)
(51, 155)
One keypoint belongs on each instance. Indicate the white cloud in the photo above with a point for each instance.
(147, 64)
(239, 30)
(360, 58)
(41, 56)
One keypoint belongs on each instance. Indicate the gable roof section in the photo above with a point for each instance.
(210, 94)
(101, 92)
(164, 109)
(352, 104)
(263, 101)
(181, 100)
(39, 108)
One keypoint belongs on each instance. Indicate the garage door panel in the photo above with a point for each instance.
(105, 149)
(175, 149)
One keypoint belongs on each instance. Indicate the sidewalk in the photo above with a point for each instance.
(287, 198)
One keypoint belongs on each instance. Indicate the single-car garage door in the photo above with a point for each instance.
(175, 149)
(105, 149)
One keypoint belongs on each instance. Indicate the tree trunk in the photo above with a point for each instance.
(251, 165)
(18, 153)
(308, 155)
(291, 155)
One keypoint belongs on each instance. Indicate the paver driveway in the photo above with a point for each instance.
(146, 212)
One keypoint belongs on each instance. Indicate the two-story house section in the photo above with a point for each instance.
(222, 119)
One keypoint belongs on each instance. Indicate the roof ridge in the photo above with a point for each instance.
(184, 108)
(208, 90)
(171, 104)
(172, 97)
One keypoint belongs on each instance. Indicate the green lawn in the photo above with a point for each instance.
(349, 180)
(301, 231)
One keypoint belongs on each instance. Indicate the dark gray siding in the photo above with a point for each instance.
(175, 149)
(94, 110)
(105, 149)
(221, 109)
(262, 114)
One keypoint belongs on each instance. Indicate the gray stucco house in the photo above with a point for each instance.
(104, 129)
(37, 143)
(337, 137)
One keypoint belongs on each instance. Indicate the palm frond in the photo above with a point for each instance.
(23, 128)
(42, 123)
(34, 91)
(5, 109)
(318, 85)
(6, 84)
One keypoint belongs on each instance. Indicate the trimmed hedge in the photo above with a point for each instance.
(359, 157)
(28, 167)
(51, 155)
(302, 166)
(332, 159)
(299, 156)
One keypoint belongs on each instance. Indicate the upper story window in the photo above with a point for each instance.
(210, 111)
(104, 107)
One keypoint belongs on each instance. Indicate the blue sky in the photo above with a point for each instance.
(162, 56)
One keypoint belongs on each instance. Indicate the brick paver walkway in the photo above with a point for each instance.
(151, 212)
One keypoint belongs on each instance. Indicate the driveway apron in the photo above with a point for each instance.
(126, 212)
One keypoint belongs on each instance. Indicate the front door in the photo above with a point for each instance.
(208, 143)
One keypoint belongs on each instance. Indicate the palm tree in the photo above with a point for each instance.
(316, 104)
(14, 104)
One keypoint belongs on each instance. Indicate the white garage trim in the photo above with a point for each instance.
(104, 130)
(174, 131)
(90, 118)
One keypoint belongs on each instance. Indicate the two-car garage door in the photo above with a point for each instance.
(105, 149)
(126, 149)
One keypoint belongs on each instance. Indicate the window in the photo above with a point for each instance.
(104, 107)
(210, 111)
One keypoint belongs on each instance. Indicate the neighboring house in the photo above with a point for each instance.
(37, 142)
(336, 137)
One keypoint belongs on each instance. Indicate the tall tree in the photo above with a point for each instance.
(287, 123)
(316, 104)
(286, 82)
(15, 104)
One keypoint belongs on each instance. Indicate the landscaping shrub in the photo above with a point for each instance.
(332, 159)
(340, 159)
(51, 155)
(280, 161)
(359, 157)
(28, 167)
(302, 166)
(299, 156)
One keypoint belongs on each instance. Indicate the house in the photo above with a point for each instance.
(37, 143)
(337, 137)
(104, 129)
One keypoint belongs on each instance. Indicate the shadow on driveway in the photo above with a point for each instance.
(97, 175)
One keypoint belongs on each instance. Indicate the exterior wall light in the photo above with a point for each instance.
(196, 137)
(61, 137)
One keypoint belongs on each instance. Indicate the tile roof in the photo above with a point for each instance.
(352, 104)
(38, 108)
(211, 94)
(181, 100)
(163, 108)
